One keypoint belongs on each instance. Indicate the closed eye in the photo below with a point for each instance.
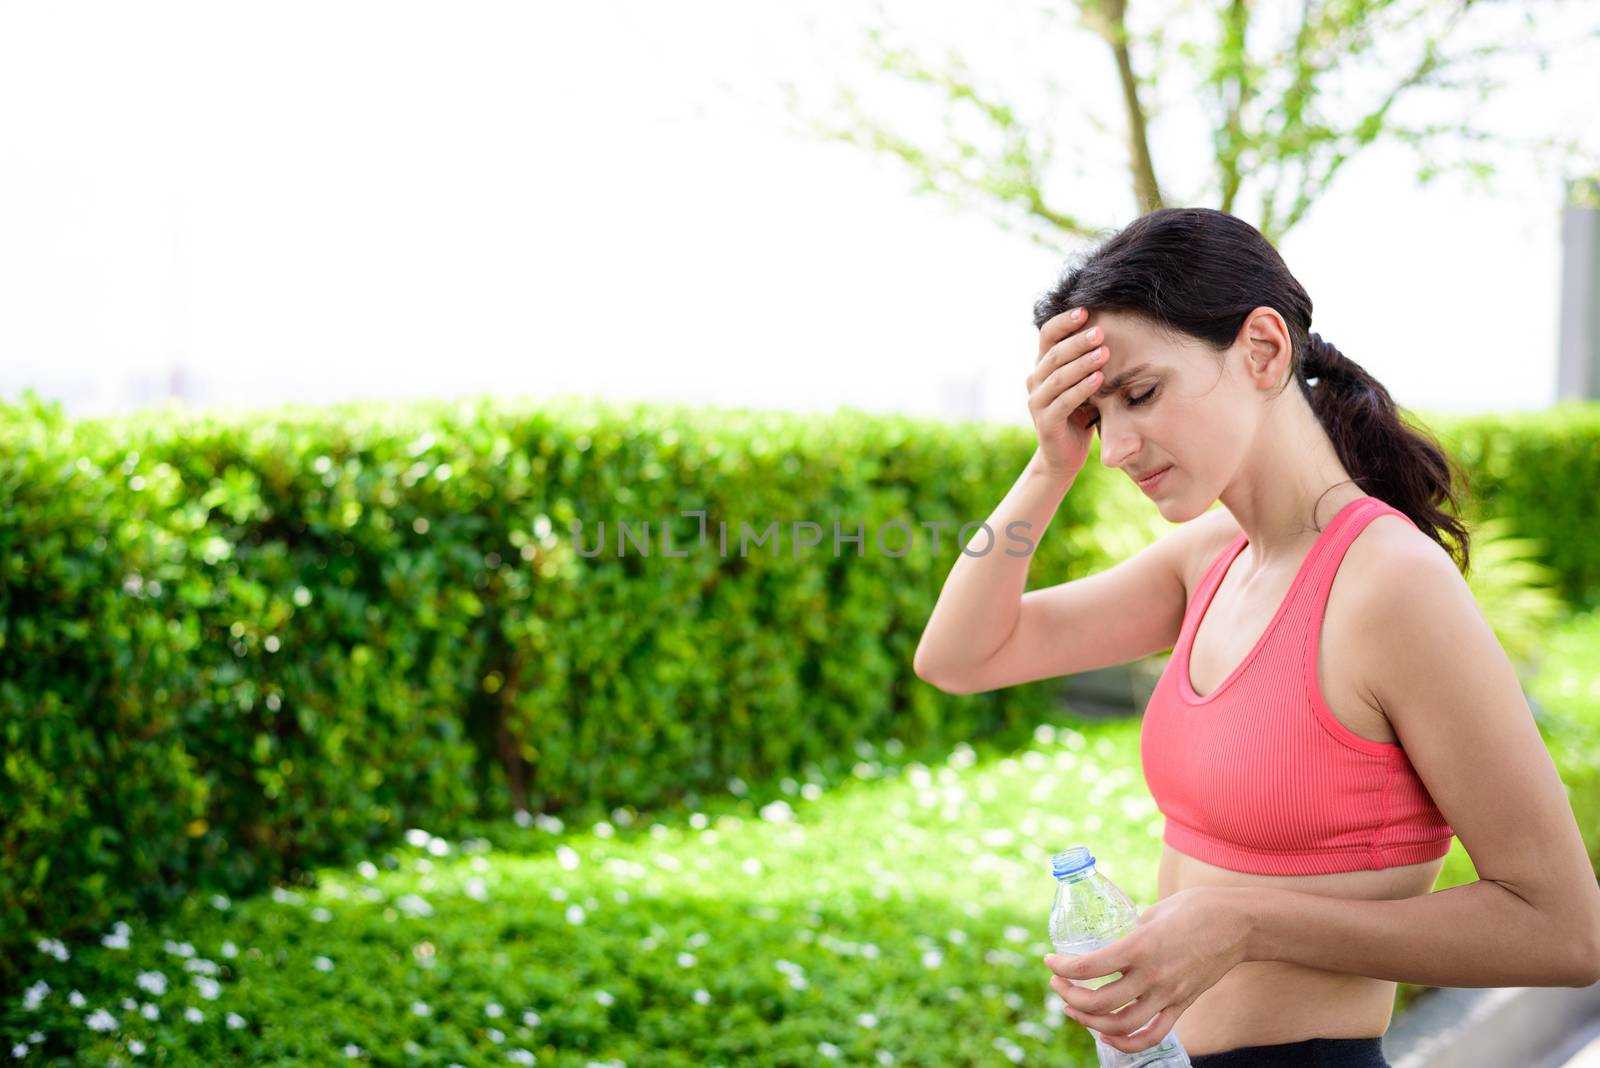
(1133, 402)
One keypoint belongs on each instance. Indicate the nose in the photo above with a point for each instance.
(1116, 444)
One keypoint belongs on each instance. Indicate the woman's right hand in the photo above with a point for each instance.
(1063, 378)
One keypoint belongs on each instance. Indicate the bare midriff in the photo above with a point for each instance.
(1260, 1003)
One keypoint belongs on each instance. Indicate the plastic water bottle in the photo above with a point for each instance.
(1090, 911)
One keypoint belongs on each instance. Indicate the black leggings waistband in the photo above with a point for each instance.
(1310, 1053)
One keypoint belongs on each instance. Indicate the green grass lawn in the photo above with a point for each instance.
(893, 916)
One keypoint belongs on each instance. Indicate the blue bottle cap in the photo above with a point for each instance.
(1070, 861)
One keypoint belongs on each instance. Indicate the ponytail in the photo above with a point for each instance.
(1386, 456)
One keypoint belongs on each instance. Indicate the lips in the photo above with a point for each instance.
(1152, 476)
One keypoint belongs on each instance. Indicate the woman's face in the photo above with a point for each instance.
(1170, 401)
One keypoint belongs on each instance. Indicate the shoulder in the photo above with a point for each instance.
(1406, 593)
(1389, 551)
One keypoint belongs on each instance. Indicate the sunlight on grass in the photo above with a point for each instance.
(895, 917)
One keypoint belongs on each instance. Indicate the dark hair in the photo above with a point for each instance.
(1200, 272)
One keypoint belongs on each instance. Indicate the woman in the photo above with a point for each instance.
(1335, 707)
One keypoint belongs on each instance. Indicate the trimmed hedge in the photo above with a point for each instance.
(235, 646)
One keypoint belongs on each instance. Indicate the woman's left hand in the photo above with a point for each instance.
(1179, 948)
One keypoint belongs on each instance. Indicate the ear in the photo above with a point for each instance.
(1268, 352)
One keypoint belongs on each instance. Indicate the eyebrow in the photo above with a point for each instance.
(1123, 379)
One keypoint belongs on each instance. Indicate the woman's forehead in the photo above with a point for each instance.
(1135, 340)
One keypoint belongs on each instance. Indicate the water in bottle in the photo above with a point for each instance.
(1090, 911)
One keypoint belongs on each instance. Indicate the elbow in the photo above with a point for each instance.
(1587, 972)
(1584, 969)
(928, 674)
(944, 685)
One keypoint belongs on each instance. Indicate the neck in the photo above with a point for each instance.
(1291, 486)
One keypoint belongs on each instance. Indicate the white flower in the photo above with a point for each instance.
(867, 1019)
(150, 1011)
(530, 1019)
(322, 964)
(152, 982)
(439, 847)
(230, 950)
(209, 988)
(76, 1000)
(235, 1021)
(827, 1049)
(201, 965)
(182, 949)
(604, 998)
(321, 915)
(520, 1056)
(420, 1008)
(567, 857)
(352, 1050)
(932, 959)
(1012, 1051)
(193, 1015)
(415, 905)
(575, 914)
(885, 1057)
(220, 902)
(495, 1034)
(418, 837)
(54, 947)
(35, 995)
(686, 960)
(367, 869)
(135, 1047)
(100, 1020)
(19, 1051)
(777, 812)
(129, 1004)
(702, 997)
(477, 889)
(494, 1009)
(118, 939)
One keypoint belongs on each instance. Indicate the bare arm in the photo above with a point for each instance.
(1476, 935)
(981, 600)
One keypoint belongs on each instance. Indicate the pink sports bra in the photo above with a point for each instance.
(1258, 775)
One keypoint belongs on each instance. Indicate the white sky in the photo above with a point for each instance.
(320, 200)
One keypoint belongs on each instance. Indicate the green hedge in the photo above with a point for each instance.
(234, 646)
(1539, 471)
